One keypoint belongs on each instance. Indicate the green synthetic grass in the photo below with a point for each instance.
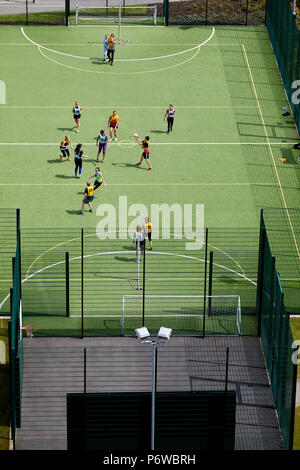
(228, 91)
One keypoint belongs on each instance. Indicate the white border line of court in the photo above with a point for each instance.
(271, 151)
(37, 144)
(118, 60)
(131, 252)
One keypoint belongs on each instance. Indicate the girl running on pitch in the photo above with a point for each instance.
(78, 156)
(101, 141)
(77, 110)
(65, 143)
(145, 146)
(99, 178)
(113, 124)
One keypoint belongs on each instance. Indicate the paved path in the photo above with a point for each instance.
(54, 367)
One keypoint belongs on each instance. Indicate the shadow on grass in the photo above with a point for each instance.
(57, 160)
(126, 260)
(63, 129)
(159, 132)
(73, 212)
(65, 177)
(130, 165)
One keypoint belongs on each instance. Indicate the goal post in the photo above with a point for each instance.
(183, 314)
(116, 15)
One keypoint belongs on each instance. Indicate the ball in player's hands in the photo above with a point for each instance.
(135, 135)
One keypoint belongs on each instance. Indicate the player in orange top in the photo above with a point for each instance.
(145, 146)
(113, 124)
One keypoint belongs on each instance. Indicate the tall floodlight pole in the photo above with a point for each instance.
(163, 335)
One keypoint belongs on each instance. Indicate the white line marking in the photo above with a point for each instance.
(21, 144)
(132, 253)
(100, 44)
(119, 60)
(129, 107)
(145, 184)
(271, 152)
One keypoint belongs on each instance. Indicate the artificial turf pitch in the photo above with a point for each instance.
(224, 151)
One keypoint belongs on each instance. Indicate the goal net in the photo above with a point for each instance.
(185, 315)
(116, 15)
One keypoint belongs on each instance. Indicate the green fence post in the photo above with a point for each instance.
(144, 280)
(82, 290)
(261, 255)
(26, 12)
(67, 12)
(205, 275)
(67, 285)
(272, 315)
(12, 384)
(293, 404)
(166, 12)
(19, 248)
(210, 275)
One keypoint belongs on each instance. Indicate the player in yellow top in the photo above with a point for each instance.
(65, 143)
(88, 197)
(148, 230)
(111, 47)
(113, 124)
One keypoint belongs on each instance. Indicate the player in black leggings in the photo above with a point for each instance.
(78, 156)
(170, 114)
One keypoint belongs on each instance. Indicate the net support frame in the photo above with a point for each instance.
(238, 319)
(118, 18)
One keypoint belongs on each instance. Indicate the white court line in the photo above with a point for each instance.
(131, 252)
(129, 107)
(131, 144)
(100, 44)
(271, 152)
(103, 26)
(119, 60)
(157, 183)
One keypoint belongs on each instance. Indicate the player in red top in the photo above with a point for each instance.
(145, 146)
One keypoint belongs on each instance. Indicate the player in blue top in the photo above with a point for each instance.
(77, 115)
(102, 141)
(78, 156)
(170, 114)
(105, 45)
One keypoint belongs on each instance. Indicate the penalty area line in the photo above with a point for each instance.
(118, 60)
(189, 257)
